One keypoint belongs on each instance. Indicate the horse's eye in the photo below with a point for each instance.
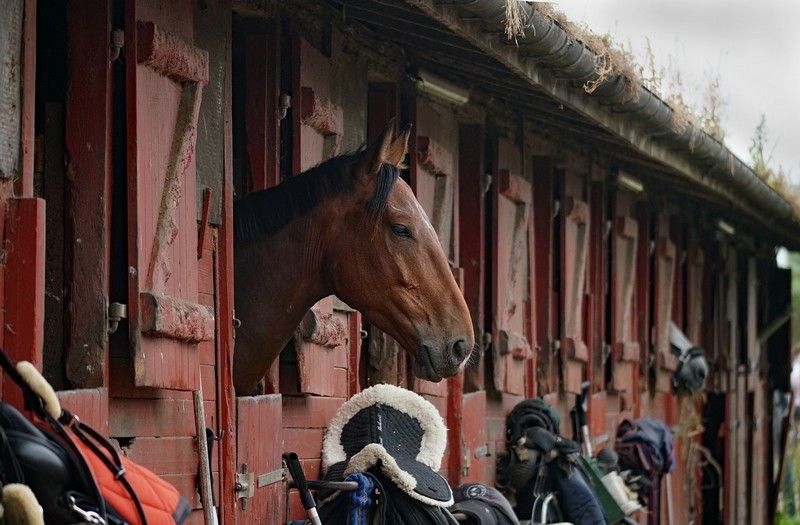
(401, 230)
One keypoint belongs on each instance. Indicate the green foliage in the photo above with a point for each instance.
(758, 146)
(780, 519)
(776, 177)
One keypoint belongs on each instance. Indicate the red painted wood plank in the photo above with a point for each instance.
(259, 443)
(187, 486)
(6, 191)
(205, 265)
(121, 383)
(88, 144)
(224, 310)
(307, 442)
(340, 381)
(297, 143)
(470, 460)
(207, 352)
(202, 234)
(382, 104)
(309, 411)
(166, 455)
(208, 375)
(90, 405)
(24, 293)
(206, 299)
(261, 122)
(151, 417)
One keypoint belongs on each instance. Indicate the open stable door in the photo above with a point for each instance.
(665, 268)
(472, 240)
(624, 330)
(575, 218)
(259, 446)
(511, 326)
(544, 242)
(165, 78)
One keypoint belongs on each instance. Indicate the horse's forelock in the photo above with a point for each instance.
(386, 179)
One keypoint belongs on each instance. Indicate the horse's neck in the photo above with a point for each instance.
(277, 280)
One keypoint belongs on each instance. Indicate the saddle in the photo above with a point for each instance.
(76, 474)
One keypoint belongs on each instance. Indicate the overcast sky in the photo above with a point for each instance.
(753, 46)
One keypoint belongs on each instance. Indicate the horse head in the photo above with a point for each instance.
(385, 260)
(351, 227)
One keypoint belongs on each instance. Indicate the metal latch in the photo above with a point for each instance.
(245, 485)
(271, 477)
(466, 461)
(482, 452)
(479, 453)
(116, 313)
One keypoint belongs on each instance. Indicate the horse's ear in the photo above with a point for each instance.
(376, 153)
(398, 149)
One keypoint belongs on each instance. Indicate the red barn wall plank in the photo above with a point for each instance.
(88, 144)
(24, 294)
(90, 405)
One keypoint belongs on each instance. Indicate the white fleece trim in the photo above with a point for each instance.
(434, 438)
(369, 456)
(41, 387)
(20, 505)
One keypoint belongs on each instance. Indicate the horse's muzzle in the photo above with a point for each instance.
(448, 364)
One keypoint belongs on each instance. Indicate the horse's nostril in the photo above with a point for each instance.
(460, 349)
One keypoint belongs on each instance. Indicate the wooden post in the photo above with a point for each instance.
(24, 293)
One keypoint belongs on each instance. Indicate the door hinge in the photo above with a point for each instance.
(247, 482)
(116, 313)
(284, 103)
(245, 485)
(116, 44)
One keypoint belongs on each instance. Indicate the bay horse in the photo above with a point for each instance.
(353, 228)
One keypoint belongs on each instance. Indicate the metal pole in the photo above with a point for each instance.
(209, 512)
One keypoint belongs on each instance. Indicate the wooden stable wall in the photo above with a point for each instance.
(569, 277)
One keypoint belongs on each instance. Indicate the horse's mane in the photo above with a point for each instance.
(264, 213)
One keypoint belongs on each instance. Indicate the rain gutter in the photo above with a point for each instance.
(550, 58)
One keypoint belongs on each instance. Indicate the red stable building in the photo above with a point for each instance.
(579, 225)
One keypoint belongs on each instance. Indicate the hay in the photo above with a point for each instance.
(681, 113)
(611, 58)
(514, 25)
